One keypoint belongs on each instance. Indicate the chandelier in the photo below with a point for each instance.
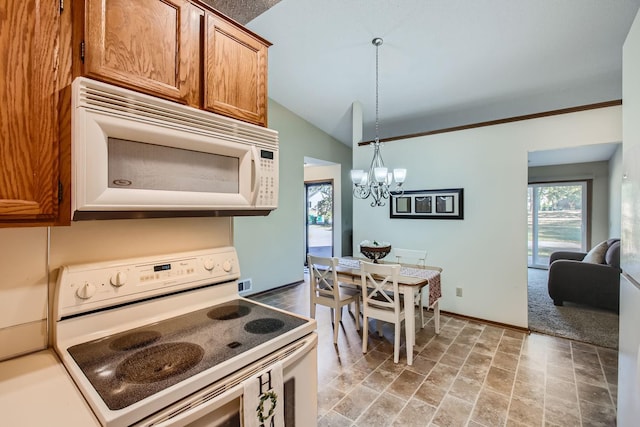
(377, 182)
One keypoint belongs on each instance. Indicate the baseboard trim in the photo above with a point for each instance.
(442, 312)
(490, 322)
(278, 288)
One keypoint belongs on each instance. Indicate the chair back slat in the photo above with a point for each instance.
(323, 276)
(380, 286)
(411, 256)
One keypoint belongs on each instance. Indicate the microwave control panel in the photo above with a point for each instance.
(268, 187)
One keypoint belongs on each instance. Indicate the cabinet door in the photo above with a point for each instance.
(148, 45)
(235, 72)
(29, 43)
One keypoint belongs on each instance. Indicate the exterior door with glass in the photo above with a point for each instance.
(319, 218)
(557, 220)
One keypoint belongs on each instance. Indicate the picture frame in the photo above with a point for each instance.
(428, 204)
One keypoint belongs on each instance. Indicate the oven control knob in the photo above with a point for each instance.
(119, 279)
(209, 264)
(226, 266)
(86, 291)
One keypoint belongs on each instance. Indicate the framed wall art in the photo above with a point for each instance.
(428, 204)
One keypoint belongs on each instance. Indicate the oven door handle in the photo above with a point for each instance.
(217, 395)
(198, 411)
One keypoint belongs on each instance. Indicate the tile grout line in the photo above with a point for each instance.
(485, 381)
(515, 375)
(575, 381)
(390, 357)
(606, 381)
(425, 377)
(473, 406)
(406, 403)
(408, 399)
(456, 377)
(546, 377)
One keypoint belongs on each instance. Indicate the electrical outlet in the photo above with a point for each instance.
(458, 292)
(244, 285)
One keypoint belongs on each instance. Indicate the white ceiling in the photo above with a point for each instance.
(443, 62)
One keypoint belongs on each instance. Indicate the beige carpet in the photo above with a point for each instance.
(573, 321)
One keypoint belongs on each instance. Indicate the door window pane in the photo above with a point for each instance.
(557, 220)
(319, 219)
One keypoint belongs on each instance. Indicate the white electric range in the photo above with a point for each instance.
(167, 341)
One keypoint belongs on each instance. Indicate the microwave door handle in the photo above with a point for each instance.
(256, 174)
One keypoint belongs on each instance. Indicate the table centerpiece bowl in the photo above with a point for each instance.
(375, 250)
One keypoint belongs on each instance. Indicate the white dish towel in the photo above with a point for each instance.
(263, 399)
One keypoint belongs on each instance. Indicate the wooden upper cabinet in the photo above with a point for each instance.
(29, 43)
(235, 71)
(148, 45)
(181, 50)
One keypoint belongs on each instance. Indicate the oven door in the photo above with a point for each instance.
(220, 404)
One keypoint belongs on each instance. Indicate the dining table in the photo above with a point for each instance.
(412, 279)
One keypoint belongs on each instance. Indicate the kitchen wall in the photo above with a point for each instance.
(615, 192)
(30, 258)
(271, 249)
(23, 290)
(596, 171)
(486, 253)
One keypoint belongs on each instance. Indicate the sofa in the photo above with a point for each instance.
(591, 278)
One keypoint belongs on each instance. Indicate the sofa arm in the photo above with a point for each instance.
(582, 282)
(572, 255)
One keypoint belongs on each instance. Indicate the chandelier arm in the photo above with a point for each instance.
(361, 191)
(398, 191)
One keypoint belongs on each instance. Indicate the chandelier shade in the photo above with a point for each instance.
(378, 182)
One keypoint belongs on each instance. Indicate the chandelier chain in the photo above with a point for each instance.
(377, 91)
(376, 182)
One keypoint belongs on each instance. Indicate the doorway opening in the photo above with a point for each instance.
(557, 219)
(319, 218)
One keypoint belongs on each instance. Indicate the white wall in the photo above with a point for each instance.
(629, 342)
(598, 172)
(615, 192)
(486, 253)
(23, 290)
(271, 248)
(30, 258)
(330, 173)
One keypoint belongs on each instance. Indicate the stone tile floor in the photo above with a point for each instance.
(471, 374)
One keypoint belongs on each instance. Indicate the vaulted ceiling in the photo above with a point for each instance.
(443, 62)
(242, 11)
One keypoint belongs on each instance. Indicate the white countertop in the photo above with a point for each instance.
(36, 390)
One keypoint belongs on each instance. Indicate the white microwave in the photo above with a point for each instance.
(135, 155)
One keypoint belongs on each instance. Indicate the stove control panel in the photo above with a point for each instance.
(95, 286)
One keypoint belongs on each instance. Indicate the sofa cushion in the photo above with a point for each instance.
(612, 241)
(612, 257)
(597, 254)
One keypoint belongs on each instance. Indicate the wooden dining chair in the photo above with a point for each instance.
(381, 300)
(327, 291)
(413, 257)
